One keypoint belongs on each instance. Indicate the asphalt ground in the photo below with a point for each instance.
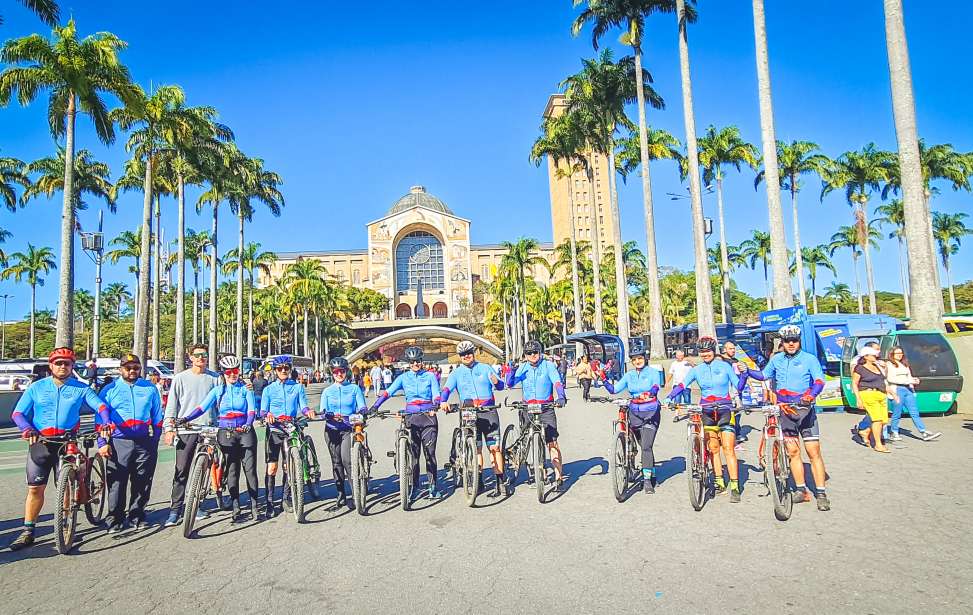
(897, 540)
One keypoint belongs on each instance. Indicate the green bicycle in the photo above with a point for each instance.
(301, 467)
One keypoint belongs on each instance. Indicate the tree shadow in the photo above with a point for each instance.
(573, 472)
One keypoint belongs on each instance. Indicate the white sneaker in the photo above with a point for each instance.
(895, 438)
(928, 436)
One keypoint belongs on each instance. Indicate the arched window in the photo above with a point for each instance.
(403, 310)
(419, 256)
(425, 311)
(439, 310)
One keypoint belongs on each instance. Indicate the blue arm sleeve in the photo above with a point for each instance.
(448, 388)
(24, 410)
(302, 400)
(323, 406)
(157, 415)
(360, 400)
(434, 387)
(96, 404)
(619, 386)
(264, 401)
(251, 408)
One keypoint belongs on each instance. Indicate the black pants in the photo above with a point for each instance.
(585, 386)
(423, 429)
(339, 445)
(130, 461)
(239, 449)
(185, 450)
(645, 426)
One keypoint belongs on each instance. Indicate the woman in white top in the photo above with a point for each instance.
(902, 384)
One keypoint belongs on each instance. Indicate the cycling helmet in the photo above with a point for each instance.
(636, 349)
(707, 343)
(61, 353)
(338, 363)
(533, 346)
(413, 353)
(281, 361)
(465, 347)
(789, 332)
(229, 362)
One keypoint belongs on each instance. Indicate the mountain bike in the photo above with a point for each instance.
(623, 464)
(698, 469)
(81, 482)
(206, 474)
(402, 458)
(465, 462)
(301, 467)
(361, 459)
(527, 448)
(774, 461)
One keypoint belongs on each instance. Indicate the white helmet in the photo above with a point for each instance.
(789, 331)
(465, 347)
(229, 362)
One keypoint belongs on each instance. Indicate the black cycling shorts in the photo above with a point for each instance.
(273, 445)
(719, 418)
(41, 459)
(488, 427)
(548, 422)
(803, 424)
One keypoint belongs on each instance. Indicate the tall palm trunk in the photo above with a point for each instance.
(949, 284)
(797, 244)
(33, 319)
(595, 249)
(214, 243)
(64, 335)
(179, 348)
(250, 317)
(926, 196)
(575, 285)
(814, 292)
(306, 346)
(724, 255)
(294, 339)
(656, 327)
(862, 221)
(280, 337)
(506, 332)
(195, 307)
(858, 284)
(783, 295)
(156, 277)
(141, 345)
(902, 277)
(239, 288)
(704, 291)
(770, 302)
(621, 284)
(926, 294)
(517, 346)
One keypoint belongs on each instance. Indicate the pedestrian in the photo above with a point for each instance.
(366, 379)
(258, 382)
(135, 411)
(338, 402)
(189, 388)
(865, 423)
(376, 375)
(584, 375)
(91, 373)
(871, 392)
(902, 384)
(677, 374)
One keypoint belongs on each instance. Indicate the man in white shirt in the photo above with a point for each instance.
(677, 373)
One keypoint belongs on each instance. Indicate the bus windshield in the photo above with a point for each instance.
(928, 354)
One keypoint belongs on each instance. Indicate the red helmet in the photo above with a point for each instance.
(61, 353)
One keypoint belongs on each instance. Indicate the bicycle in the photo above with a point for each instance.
(774, 461)
(623, 463)
(402, 459)
(205, 475)
(361, 459)
(301, 467)
(527, 448)
(697, 456)
(465, 464)
(81, 482)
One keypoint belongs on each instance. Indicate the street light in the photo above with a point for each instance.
(707, 227)
(678, 197)
(94, 246)
(3, 327)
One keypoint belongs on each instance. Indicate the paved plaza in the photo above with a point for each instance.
(897, 540)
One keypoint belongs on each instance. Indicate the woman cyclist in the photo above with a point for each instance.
(338, 402)
(283, 400)
(236, 410)
(643, 384)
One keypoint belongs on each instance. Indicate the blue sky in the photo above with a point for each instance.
(354, 103)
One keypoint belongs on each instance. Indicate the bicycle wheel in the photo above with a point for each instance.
(359, 476)
(66, 514)
(404, 461)
(618, 466)
(295, 471)
(313, 469)
(776, 471)
(540, 476)
(507, 446)
(471, 470)
(218, 483)
(94, 508)
(456, 458)
(696, 470)
(195, 492)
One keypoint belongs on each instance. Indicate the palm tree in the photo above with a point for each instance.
(849, 237)
(815, 257)
(89, 177)
(116, 295)
(304, 279)
(859, 174)
(46, 10)
(704, 292)
(77, 73)
(195, 247)
(605, 15)
(253, 260)
(757, 249)
(32, 266)
(718, 149)
(11, 172)
(837, 292)
(893, 213)
(521, 258)
(949, 229)
(794, 160)
(4, 236)
(84, 309)
(129, 246)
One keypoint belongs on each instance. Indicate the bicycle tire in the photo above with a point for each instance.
(313, 469)
(507, 444)
(540, 476)
(777, 470)
(456, 463)
(696, 470)
(618, 466)
(471, 470)
(403, 454)
(295, 470)
(94, 508)
(219, 489)
(359, 476)
(66, 513)
(195, 492)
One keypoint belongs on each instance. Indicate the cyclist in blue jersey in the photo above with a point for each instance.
(282, 401)
(541, 384)
(716, 381)
(50, 407)
(474, 384)
(421, 390)
(236, 410)
(643, 384)
(339, 401)
(136, 412)
(796, 380)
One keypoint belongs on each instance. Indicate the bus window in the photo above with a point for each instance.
(928, 354)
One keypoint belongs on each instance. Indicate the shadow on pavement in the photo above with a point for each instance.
(669, 468)
(573, 471)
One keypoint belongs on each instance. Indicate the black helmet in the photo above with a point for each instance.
(338, 363)
(636, 348)
(413, 353)
(533, 346)
(707, 343)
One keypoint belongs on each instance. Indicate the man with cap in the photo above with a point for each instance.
(135, 410)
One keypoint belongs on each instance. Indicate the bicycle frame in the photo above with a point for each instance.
(70, 453)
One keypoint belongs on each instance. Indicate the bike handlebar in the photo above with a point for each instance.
(71, 436)
(457, 408)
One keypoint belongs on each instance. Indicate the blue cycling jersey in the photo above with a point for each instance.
(794, 375)
(643, 384)
(540, 382)
(473, 384)
(714, 379)
(237, 406)
(342, 399)
(421, 390)
(132, 408)
(283, 400)
(55, 410)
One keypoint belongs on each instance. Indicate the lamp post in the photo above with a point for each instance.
(3, 327)
(94, 246)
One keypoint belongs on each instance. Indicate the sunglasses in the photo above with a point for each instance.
(132, 366)
(417, 362)
(200, 355)
(339, 371)
(531, 353)
(63, 363)
(283, 368)
(234, 371)
(791, 340)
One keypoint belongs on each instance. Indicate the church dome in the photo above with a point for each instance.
(418, 197)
